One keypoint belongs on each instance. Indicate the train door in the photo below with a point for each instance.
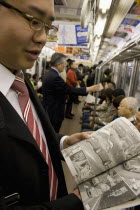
(117, 74)
(121, 75)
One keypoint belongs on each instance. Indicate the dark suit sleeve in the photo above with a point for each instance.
(69, 202)
(61, 86)
(79, 75)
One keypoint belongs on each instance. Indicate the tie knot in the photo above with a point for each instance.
(19, 86)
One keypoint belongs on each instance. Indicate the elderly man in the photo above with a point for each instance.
(128, 108)
(30, 157)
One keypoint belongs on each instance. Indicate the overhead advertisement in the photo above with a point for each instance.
(81, 53)
(128, 29)
(130, 25)
(81, 35)
(72, 35)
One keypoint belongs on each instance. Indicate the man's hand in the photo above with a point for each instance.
(77, 193)
(93, 88)
(75, 138)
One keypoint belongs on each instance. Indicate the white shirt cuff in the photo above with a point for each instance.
(62, 141)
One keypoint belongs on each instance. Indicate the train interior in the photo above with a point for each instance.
(112, 31)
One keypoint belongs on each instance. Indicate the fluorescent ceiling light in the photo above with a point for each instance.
(100, 25)
(104, 5)
(97, 41)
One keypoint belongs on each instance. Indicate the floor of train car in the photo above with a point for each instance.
(70, 127)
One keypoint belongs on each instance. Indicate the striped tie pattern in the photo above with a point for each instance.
(25, 105)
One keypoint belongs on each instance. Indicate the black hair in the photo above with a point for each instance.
(71, 62)
(117, 101)
(28, 75)
(113, 84)
(108, 80)
(94, 66)
(100, 62)
(47, 65)
(118, 92)
(34, 76)
(108, 93)
(107, 71)
(68, 60)
(102, 94)
(80, 65)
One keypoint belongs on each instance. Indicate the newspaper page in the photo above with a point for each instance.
(106, 148)
(90, 99)
(114, 187)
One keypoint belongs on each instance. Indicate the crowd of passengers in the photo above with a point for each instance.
(112, 104)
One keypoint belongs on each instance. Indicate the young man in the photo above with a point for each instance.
(30, 157)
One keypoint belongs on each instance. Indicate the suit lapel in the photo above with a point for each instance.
(15, 126)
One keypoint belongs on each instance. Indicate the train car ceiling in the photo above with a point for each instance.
(103, 19)
(68, 10)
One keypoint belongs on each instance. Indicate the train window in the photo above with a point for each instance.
(129, 70)
(137, 84)
(121, 75)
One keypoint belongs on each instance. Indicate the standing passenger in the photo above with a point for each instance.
(55, 90)
(30, 155)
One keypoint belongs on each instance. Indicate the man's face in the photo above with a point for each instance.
(80, 68)
(123, 109)
(61, 67)
(74, 65)
(137, 122)
(19, 44)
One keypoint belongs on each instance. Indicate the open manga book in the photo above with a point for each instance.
(106, 167)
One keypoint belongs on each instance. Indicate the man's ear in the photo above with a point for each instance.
(131, 111)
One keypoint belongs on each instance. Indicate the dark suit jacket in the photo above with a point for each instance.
(22, 165)
(80, 77)
(54, 94)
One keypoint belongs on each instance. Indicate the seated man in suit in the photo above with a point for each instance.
(30, 156)
(55, 90)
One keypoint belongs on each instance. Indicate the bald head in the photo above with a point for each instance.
(128, 107)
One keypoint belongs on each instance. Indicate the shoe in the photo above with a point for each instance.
(68, 117)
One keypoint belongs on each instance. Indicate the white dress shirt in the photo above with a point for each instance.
(6, 81)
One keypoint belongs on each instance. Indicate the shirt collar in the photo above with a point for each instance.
(131, 119)
(6, 79)
(56, 70)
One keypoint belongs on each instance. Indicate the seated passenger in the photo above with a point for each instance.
(105, 112)
(117, 92)
(128, 108)
(107, 74)
(110, 85)
(116, 104)
(108, 114)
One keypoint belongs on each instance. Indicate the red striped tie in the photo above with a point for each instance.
(24, 101)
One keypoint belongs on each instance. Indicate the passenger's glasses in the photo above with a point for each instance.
(35, 23)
